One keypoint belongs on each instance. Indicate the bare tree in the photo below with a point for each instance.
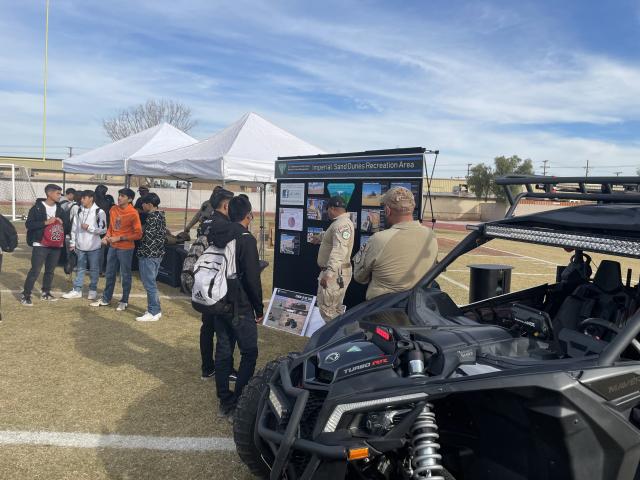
(147, 115)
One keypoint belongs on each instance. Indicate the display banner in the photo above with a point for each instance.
(390, 166)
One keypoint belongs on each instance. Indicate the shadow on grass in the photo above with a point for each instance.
(182, 405)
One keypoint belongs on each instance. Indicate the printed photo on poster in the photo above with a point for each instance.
(353, 216)
(411, 186)
(290, 243)
(345, 190)
(370, 221)
(364, 239)
(289, 311)
(316, 188)
(371, 194)
(291, 219)
(317, 209)
(292, 193)
(314, 235)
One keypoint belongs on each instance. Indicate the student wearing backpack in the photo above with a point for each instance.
(218, 219)
(241, 324)
(150, 253)
(124, 229)
(88, 223)
(45, 233)
(8, 241)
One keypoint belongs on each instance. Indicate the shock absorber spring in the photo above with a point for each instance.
(425, 459)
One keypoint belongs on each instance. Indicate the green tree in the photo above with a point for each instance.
(512, 165)
(480, 181)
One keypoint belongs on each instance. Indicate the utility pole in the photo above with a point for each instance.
(544, 167)
(468, 169)
(617, 173)
(586, 170)
(70, 151)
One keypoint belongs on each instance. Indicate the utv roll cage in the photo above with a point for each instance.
(598, 189)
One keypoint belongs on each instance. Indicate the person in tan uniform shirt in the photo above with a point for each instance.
(395, 259)
(334, 260)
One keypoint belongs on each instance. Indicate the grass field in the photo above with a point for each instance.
(67, 367)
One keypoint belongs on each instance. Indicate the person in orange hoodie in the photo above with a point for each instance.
(124, 229)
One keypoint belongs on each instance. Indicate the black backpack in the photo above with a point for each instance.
(8, 235)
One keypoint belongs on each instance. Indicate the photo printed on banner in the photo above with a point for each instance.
(315, 188)
(370, 220)
(291, 218)
(292, 193)
(317, 208)
(290, 243)
(314, 235)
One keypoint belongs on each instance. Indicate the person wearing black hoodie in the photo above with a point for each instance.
(220, 217)
(104, 202)
(241, 325)
(45, 212)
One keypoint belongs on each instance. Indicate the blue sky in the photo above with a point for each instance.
(548, 80)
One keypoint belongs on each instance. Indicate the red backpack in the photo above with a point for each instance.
(53, 236)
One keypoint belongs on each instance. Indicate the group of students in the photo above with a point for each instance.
(92, 223)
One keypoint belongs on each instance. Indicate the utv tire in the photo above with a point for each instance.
(244, 421)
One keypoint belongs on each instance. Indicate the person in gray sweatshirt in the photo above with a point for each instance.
(88, 224)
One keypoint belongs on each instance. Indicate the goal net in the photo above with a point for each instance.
(17, 195)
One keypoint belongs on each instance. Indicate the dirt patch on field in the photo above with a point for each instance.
(445, 245)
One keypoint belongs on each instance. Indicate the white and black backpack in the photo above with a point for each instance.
(215, 280)
(188, 267)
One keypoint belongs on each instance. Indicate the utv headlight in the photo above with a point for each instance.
(278, 405)
(340, 410)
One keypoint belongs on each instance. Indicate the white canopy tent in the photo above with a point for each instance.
(245, 152)
(114, 158)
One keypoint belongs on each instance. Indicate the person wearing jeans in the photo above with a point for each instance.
(45, 212)
(87, 225)
(124, 229)
(150, 255)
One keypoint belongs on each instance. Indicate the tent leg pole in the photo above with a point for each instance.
(64, 181)
(186, 206)
(263, 207)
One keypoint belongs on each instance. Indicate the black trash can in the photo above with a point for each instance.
(488, 281)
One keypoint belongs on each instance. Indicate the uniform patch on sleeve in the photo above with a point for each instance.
(346, 234)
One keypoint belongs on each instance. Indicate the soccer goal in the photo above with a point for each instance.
(16, 191)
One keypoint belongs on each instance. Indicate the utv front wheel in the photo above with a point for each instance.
(244, 422)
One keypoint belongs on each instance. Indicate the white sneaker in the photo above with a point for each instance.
(99, 303)
(122, 306)
(72, 294)
(92, 295)
(147, 317)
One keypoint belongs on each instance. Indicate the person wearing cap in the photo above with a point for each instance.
(334, 260)
(143, 191)
(394, 259)
(205, 212)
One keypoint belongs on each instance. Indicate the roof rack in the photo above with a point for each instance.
(595, 189)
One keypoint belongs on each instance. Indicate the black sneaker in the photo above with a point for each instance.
(48, 297)
(233, 376)
(227, 412)
(26, 300)
(208, 375)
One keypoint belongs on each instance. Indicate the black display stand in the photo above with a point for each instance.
(307, 183)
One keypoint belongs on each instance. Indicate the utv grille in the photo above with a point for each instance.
(308, 422)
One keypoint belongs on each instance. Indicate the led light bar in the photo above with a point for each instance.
(626, 247)
(340, 410)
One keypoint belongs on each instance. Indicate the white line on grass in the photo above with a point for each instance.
(450, 280)
(91, 440)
